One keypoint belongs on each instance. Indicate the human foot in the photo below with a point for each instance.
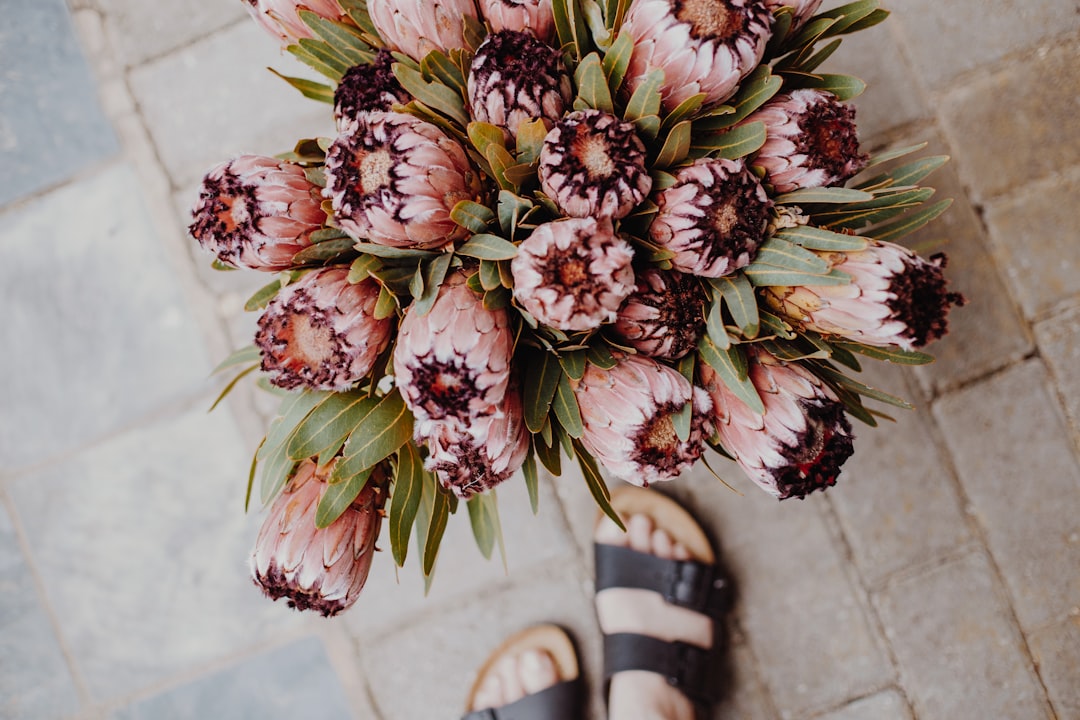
(659, 528)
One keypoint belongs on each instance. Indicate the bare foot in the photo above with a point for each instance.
(640, 695)
(512, 678)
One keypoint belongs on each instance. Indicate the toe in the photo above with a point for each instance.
(608, 533)
(639, 531)
(489, 694)
(680, 552)
(537, 671)
(662, 545)
(510, 679)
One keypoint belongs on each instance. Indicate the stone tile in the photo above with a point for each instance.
(223, 102)
(292, 681)
(1042, 262)
(394, 596)
(1001, 149)
(1057, 656)
(744, 694)
(888, 705)
(947, 39)
(960, 654)
(896, 498)
(139, 31)
(34, 677)
(51, 124)
(102, 329)
(1015, 462)
(1059, 345)
(142, 546)
(441, 653)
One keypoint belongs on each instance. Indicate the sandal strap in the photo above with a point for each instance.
(686, 583)
(561, 700)
(694, 670)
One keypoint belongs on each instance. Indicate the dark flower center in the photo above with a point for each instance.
(678, 301)
(568, 270)
(921, 300)
(710, 19)
(470, 472)
(829, 138)
(368, 87)
(277, 586)
(815, 458)
(298, 344)
(227, 215)
(444, 388)
(657, 445)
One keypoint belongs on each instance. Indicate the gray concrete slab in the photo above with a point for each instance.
(1059, 345)
(888, 705)
(140, 31)
(1056, 650)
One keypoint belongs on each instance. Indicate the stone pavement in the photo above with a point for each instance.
(939, 580)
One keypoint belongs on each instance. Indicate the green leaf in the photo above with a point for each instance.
(440, 514)
(345, 40)
(595, 482)
(885, 207)
(549, 454)
(325, 429)
(338, 497)
(775, 325)
(714, 323)
(573, 363)
(362, 267)
(488, 247)
(910, 223)
(316, 55)
(814, 61)
(592, 84)
(378, 435)
(761, 275)
(683, 111)
(813, 238)
(293, 410)
(741, 302)
(844, 87)
(617, 60)
(530, 141)
(483, 134)
(756, 90)
(731, 144)
(358, 12)
(788, 256)
(681, 420)
(408, 488)
(843, 381)
(243, 356)
(323, 252)
(832, 195)
(532, 480)
(500, 160)
(907, 174)
(393, 253)
(648, 128)
(309, 88)
(277, 469)
(232, 384)
(566, 408)
(600, 355)
(730, 365)
(472, 216)
(887, 155)
(484, 518)
(676, 146)
(489, 275)
(646, 98)
(437, 65)
(435, 95)
(541, 380)
(888, 354)
(386, 305)
(433, 274)
(251, 476)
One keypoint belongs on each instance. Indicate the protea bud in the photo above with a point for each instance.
(811, 141)
(515, 78)
(453, 362)
(316, 569)
(416, 27)
(593, 165)
(256, 212)
(393, 180)
(281, 18)
(536, 16)
(628, 413)
(802, 10)
(368, 88)
(713, 218)
(573, 274)
(703, 46)
(799, 443)
(665, 316)
(470, 457)
(894, 298)
(321, 332)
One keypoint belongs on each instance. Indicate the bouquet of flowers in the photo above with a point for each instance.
(614, 232)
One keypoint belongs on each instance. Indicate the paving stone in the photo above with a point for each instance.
(142, 545)
(888, 705)
(1057, 656)
(947, 39)
(101, 327)
(292, 681)
(1042, 261)
(744, 694)
(1002, 148)
(1059, 345)
(141, 30)
(34, 678)
(895, 498)
(1015, 461)
(960, 654)
(51, 124)
(223, 102)
(427, 668)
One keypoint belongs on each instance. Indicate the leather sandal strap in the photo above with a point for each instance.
(686, 583)
(562, 700)
(695, 671)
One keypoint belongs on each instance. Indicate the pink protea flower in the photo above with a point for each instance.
(470, 457)
(368, 87)
(802, 10)
(393, 180)
(703, 46)
(713, 218)
(627, 412)
(665, 315)
(256, 212)
(894, 298)
(573, 274)
(515, 78)
(593, 165)
(281, 18)
(321, 332)
(800, 442)
(316, 569)
(811, 140)
(453, 362)
(416, 27)
(536, 16)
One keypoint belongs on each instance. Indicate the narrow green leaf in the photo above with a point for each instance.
(714, 323)
(378, 435)
(682, 419)
(232, 384)
(345, 40)
(815, 61)
(483, 134)
(251, 475)
(325, 429)
(433, 273)
(542, 373)
(592, 84)
(338, 497)
(828, 373)
(362, 267)
(757, 89)
(549, 452)
(309, 88)
(730, 365)
(440, 514)
(324, 252)
(789, 256)
(435, 95)
(488, 247)
(832, 195)
(313, 54)
(600, 355)
(907, 174)
(910, 223)
(437, 65)
(573, 363)
(774, 325)
(676, 146)
(739, 295)
(761, 275)
(532, 480)
(472, 215)
(482, 519)
(731, 144)
(530, 141)
(358, 12)
(500, 160)
(294, 408)
(489, 275)
(393, 253)
(595, 482)
(617, 60)
(860, 215)
(683, 111)
(386, 305)
(813, 238)
(648, 128)
(243, 356)
(887, 155)
(566, 408)
(844, 87)
(646, 99)
(888, 354)
(277, 469)
(408, 487)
